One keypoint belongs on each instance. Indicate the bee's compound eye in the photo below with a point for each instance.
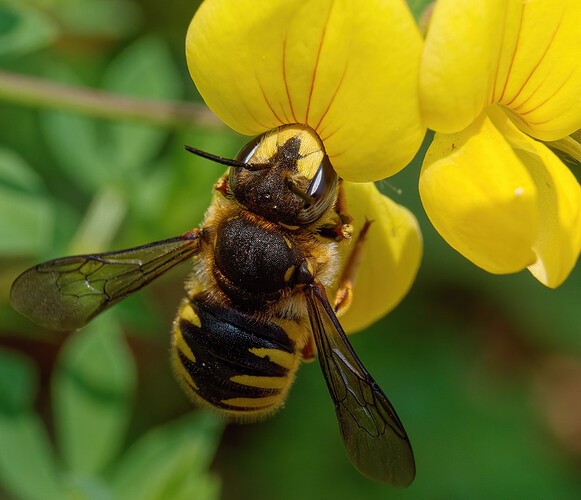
(245, 154)
(320, 192)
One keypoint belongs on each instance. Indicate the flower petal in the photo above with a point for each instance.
(522, 54)
(459, 61)
(480, 198)
(558, 243)
(328, 64)
(392, 254)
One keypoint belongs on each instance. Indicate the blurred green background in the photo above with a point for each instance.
(485, 371)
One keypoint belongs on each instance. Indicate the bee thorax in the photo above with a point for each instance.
(254, 263)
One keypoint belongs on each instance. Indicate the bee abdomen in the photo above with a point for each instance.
(231, 361)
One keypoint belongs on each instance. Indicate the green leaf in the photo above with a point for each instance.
(197, 487)
(154, 193)
(18, 382)
(190, 192)
(102, 18)
(23, 30)
(144, 69)
(92, 391)
(101, 222)
(74, 142)
(88, 488)
(26, 215)
(94, 151)
(15, 172)
(171, 461)
(28, 468)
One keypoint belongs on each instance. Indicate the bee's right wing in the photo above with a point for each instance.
(374, 437)
(66, 293)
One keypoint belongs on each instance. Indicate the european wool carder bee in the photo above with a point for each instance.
(256, 303)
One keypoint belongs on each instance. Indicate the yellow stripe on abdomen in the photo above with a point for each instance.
(265, 404)
(281, 358)
(262, 382)
(233, 362)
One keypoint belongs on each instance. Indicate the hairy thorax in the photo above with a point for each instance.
(254, 264)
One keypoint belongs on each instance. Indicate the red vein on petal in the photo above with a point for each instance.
(265, 127)
(557, 90)
(267, 101)
(258, 122)
(553, 36)
(285, 80)
(286, 120)
(515, 116)
(320, 131)
(317, 64)
(533, 93)
(539, 123)
(331, 135)
(337, 155)
(498, 57)
(514, 53)
(332, 97)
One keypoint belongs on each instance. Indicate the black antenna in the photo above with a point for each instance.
(228, 161)
(219, 159)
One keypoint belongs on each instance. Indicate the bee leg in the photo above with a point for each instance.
(341, 207)
(339, 226)
(344, 295)
(222, 185)
(308, 352)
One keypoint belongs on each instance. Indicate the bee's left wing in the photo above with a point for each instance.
(66, 293)
(374, 437)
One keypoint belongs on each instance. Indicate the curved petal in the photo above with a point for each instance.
(347, 69)
(480, 198)
(459, 61)
(522, 54)
(558, 243)
(391, 258)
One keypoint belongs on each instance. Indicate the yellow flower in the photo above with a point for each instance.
(496, 75)
(349, 71)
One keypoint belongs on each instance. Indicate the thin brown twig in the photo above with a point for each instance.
(47, 94)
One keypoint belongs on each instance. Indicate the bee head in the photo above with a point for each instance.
(287, 176)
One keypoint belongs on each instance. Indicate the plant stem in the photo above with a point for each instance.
(42, 93)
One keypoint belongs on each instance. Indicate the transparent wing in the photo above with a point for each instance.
(65, 294)
(374, 437)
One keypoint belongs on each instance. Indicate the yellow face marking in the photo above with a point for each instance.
(311, 147)
(262, 382)
(268, 147)
(309, 165)
(287, 241)
(311, 151)
(281, 358)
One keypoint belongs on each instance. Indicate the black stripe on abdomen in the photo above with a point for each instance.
(236, 362)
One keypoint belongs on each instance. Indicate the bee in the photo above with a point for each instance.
(256, 304)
